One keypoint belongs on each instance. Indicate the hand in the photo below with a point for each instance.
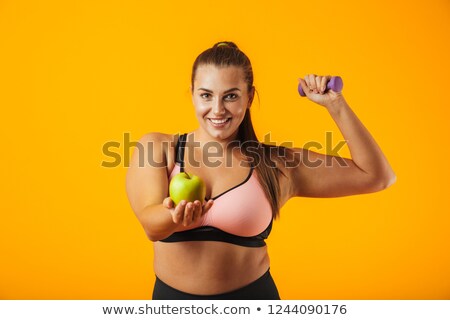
(314, 87)
(185, 212)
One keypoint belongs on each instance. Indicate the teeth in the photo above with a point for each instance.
(218, 121)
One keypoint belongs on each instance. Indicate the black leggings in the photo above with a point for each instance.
(263, 288)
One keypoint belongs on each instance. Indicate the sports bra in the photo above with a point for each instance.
(241, 215)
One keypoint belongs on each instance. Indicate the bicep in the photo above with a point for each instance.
(321, 175)
(146, 179)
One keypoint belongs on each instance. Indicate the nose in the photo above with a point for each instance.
(218, 108)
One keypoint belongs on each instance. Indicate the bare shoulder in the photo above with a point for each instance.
(282, 158)
(156, 137)
(161, 145)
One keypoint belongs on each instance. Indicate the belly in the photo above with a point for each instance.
(208, 267)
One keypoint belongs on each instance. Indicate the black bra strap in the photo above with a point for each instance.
(179, 151)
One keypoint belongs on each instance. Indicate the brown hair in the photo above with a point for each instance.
(224, 54)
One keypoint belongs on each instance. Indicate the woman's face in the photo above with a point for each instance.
(220, 98)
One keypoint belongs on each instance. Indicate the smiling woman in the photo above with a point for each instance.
(215, 248)
(220, 113)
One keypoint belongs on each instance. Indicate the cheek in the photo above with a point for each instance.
(199, 107)
(201, 110)
(240, 113)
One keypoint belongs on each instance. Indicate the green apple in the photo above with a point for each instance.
(187, 187)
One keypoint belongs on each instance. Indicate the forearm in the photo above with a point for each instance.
(365, 152)
(157, 222)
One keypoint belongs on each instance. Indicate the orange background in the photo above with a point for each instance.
(77, 74)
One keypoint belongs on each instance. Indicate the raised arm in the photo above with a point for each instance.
(320, 175)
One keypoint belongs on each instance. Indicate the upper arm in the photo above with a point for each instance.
(146, 179)
(321, 175)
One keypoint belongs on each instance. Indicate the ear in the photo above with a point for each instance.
(251, 95)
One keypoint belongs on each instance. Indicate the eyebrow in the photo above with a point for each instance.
(229, 90)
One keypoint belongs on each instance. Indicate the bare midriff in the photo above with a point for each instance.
(208, 267)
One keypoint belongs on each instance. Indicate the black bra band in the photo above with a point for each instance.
(208, 233)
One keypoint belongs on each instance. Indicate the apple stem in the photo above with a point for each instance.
(187, 175)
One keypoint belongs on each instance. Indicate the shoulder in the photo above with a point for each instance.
(161, 146)
(300, 168)
(284, 157)
(295, 160)
(156, 137)
(159, 139)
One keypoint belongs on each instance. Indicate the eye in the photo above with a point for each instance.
(231, 96)
(204, 95)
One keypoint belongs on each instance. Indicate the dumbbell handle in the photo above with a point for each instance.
(334, 84)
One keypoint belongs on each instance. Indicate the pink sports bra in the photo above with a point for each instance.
(241, 215)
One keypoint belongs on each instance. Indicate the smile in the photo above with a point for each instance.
(219, 122)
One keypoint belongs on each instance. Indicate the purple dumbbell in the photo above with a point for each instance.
(334, 84)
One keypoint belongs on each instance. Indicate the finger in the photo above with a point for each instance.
(312, 82)
(318, 80)
(307, 82)
(188, 214)
(197, 210)
(168, 203)
(179, 212)
(304, 85)
(207, 206)
(324, 83)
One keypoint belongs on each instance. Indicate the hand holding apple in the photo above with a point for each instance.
(187, 193)
(185, 212)
(187, 187)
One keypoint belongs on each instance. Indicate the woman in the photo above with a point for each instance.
(216, 249)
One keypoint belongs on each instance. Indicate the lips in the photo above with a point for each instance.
(219, 123)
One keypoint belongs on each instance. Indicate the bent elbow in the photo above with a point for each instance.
(384, 182)
(153, 237)
(391, 180)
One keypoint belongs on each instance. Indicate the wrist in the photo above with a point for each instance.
(337, 105)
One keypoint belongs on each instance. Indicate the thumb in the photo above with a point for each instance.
(304, 85)
(168, 203)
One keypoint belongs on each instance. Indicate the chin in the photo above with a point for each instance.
(220, 134)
